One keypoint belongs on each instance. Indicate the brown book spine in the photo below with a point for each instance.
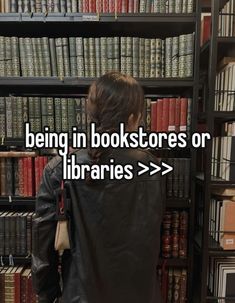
(172, 104)
(25, 177)
(21, 176)
(159, 115)
(177, 115)
(165, 114)
(166, 236)
(183, 114)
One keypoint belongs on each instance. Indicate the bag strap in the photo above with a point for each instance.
(62, 202)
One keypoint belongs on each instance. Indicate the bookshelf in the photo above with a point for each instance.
(141, 25)
(205, 245)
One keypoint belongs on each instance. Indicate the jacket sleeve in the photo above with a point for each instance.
(44, 257)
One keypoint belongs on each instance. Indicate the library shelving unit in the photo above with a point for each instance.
(85, 25)
(204, 245)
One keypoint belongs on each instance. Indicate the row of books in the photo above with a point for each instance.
(93, 57)
(170, 114)
(178, 181)
(96, 6)
(227, 20)
(223, 153)
(21, 176)
(16, 285)
(173, 283)
(225, 87)
(15, 233)
(221, 222)
(61, 114)
(221, 278)
(175, 234)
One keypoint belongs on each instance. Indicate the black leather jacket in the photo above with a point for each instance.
(114, 234)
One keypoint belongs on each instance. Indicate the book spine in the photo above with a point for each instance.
(29, 177)
(73, 57)
(189, 55)
(29, 234)
(175, 234)
(190, 7)
(171, 6)
(152, 58)
(2, 118)
(33, 6)
(183, 231)
(16, 177)
(50, 113)
(74, 6)
(123, 55)
(129, 56)
(142, 6)
(14, 118)
(97, 57)
(162, 4)
(12, 240)
(44, 6)
(59, 57)
(86, 57)
(183, 114)
(69, 6)
(153, 116)
(135, 50)
(176, 178)
(92, 64)
(21, 176)
(163, 58)
(78, 114)
(9, 117)
(9, 177)
(184, 6)
(178, 6)
(64, 115)
(19, 124)
(26, 6)
(166, 236)
(147, 58)
(158, 58)
(2, 56)
(63, 6)
(181, 178)
(13, 6)
(109, 53)
(37, 114)
(52, 46)
(38, 6)
(175, 57)
(186, 178)
(182, 55)
(103, 48)
(46, 57)
(40, 56)
(168, 57)
(23, 236)
(35, 57)
(57, 6)
(170, 179)
(80, 57)
(57, 102)
(66, 57)
(165, 114)
(7, 236)
(71, 116)
(159, 115)
(8, 56)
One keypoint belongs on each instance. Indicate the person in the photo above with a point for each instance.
(114, 226)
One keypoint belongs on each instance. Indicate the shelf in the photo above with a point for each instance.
(174, 262)
(219, 116)
(17, 260)
(58, 24)
(70, 85)
(178, 203)
(226, 48)
(215, 181)
(17, 201)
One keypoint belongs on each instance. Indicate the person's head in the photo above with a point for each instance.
(115, 98)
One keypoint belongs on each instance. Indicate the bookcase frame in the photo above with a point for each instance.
(204, 245)
(145, 25)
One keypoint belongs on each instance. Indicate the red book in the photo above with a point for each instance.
(183, 114)
(171, 126)
(99, 6)
(30, 176)
(25, 177)
(165, 114)
(124, 6)
(41, 168)
(21, 176)
(85, 7)
(111, 6)
(131, 6)
(45, 161)
(17, 276)
(153, 116)
(206, 29)
(177, 115)
(105, 6)
(159, 114)
(136, 6)
(37, 175)
(92, 6)
(119, 6)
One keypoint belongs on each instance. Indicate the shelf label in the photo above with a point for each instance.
(90, 18)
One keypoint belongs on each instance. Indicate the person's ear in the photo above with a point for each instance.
(133, 122)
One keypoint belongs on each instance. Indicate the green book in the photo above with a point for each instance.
(171, 6)
(64, 115)
(2, 118)
(91, 56)
(29, 57)
(31, 112)
(57, 103)
(110, 55)
(143, 6)
(152, 58)
(103, 47)
(37, 114)
(116, 54)
(35, 58)
(2, 57)
(69, 6)
(8, 57)
(168, 57)
(38, 6)
(43, 102)
(33, 6)
(159, 61)
(163, 58)
(26, 6)
(50, 114)
(9, 117)
(184, 6)
(189, 55)
(73, 56)
(129, 55)
(19, 117)
(52, 46)
(46, 57)
(190, 6)
(80, 57)
(86, 57)
(135, 51)
(15, 57)
(141, 57)
(178, 6)
(97, 57)
(182, 55)
(74, 6)
(124, 55)
(65, 44)
(14, 117)
(78, 113)
(59, 57)
(147, 58)
(175, 57)
(40, 57)
(71, 116)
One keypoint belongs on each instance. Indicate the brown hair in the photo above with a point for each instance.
(112, 99)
